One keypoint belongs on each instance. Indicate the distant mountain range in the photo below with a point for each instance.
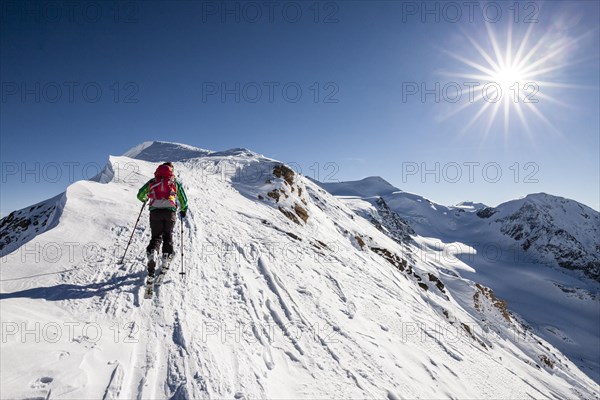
(550, 229)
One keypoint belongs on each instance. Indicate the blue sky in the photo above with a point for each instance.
(82, 82)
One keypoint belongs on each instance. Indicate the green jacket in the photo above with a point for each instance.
(181, 197)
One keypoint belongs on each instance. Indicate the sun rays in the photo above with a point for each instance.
(510, 77)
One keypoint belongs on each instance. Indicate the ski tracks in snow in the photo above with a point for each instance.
(154, 358)
(242, 326)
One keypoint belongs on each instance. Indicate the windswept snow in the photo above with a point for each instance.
(156, 151)
(516, 248)
(370, 186)
(288, 293)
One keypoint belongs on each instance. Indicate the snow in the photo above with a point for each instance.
(268, 308)
(530, 281)
(370, 186)
(469, 205)
(157, 151)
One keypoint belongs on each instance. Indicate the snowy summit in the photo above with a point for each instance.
(289, 291)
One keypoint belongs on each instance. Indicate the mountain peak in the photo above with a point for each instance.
(366, 187)
(157, 151)
(544, 200)
(544, 197)
(375, 178)
(236, 151)
(470, 205)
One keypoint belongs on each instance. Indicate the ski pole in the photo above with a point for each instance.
(132, 233)
(182, 273)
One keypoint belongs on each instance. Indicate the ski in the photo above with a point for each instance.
(150, 281)
(149, 290)
(160, 277)
(156, 282)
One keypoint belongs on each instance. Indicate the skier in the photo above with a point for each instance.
(162, 191)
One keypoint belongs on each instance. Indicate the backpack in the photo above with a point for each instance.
(163, 189)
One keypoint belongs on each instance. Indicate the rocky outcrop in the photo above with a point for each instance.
(285, 190)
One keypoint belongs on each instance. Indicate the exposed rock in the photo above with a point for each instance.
(275, 195)
(283, 171)
(489, 294)
(547, 361)
(301, 212)
(486, 212)
(360, 241)
(391, 223)
(287, 188)
(467, 329)
(438, 283)
(390, 257)
(290, 215)
(294, 236)
(323, 245)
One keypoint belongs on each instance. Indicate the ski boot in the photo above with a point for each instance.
(151, 267)
(166, 261)
(164, 267)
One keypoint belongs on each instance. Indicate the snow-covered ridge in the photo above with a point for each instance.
(157, 151)
(289, 293)
(367, 187)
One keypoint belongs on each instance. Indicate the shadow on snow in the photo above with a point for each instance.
(71, 291)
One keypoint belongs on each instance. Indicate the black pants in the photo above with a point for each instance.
(162, 223)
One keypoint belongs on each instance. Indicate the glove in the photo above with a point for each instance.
(182, 214)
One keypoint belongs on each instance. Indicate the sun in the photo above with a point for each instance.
(506, 78)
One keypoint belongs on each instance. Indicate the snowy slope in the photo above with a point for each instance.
(288, 294)
(20, 226)
(377, 211)
(516, 248)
